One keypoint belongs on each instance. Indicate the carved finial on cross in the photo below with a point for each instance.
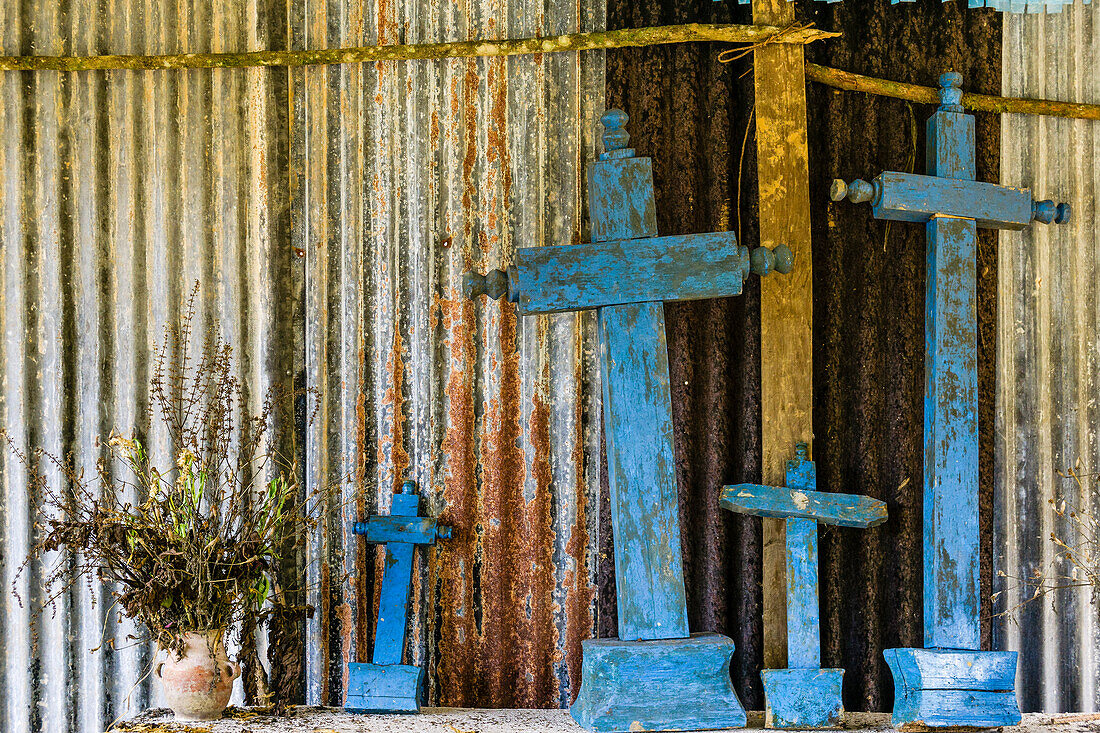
(951, 91)
(615, 136)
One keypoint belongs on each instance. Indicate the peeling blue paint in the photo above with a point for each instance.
(951, 682)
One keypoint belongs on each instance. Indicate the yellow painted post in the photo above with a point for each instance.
(786, 356)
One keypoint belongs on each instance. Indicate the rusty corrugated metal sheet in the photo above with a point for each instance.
(403, 176)
(1048, 370)
(117, 191)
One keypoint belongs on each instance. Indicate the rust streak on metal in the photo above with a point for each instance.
(497, 143)
(391, 445)
(453, 597)
(344, 617)
(506, 546)
(540, 644)
(324, 611)
(358, 544)
(580, 593)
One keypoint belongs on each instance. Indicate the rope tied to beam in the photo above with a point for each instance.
(794, 30)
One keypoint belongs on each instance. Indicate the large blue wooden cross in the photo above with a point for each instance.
(804, 695)
(951, 682)
(385, 684)
(655, 675)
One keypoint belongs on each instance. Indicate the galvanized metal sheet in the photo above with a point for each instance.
(117, 191)
(1048, 368)
(404, 175)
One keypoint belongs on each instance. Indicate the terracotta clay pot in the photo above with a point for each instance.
(198, 684)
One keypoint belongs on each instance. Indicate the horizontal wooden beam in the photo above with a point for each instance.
(840, 79)
(916, 198)
(842, 510)
(414, 530)
(593, 41)
(582, 276)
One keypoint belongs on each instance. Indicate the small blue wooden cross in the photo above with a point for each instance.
(655, 675)
(951, 682)
(803, 695)
(385, 684)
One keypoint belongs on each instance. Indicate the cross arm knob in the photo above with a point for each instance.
(495, 283)
(764, 261)
(1046, 212)
(857, 191)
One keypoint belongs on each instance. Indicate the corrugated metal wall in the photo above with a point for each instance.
(329, 214)
(1048, 410)
(869, 322)
(118, 190)
(402, 177)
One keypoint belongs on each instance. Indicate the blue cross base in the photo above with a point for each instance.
(384, 688)
(802, 698)
(951, 688)
(664, 684)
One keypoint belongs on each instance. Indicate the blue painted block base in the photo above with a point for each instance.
(802, 698)
(384, 688)
(951, 688)
(665, 684)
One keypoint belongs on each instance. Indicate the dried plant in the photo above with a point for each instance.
(192, 545)
(1076, 562)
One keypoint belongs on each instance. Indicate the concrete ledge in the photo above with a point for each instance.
(454, 720)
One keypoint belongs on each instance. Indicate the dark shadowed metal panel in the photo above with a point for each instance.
(117, 191)
(403, 176)
(869, 323)
(868, 320)
(1049, 360)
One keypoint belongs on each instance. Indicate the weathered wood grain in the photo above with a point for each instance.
(842, 510)
(637, 409)
(620, 198)
(803, 698)
(645, 510)
(671, 684)
(937, 688)
(652, 269)
(396, 688)
(803, 611)
(652, 677)
(804, 695)
(908, 197)
(916, 198)
(786, 354)
(393, 603)
(840, 79)
(590, 41)
(955, 685)
(394, 528)
(951, 552)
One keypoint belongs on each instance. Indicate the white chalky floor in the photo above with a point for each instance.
(454, 720)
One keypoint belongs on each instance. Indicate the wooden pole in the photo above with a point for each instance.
(786, 361)
(929, 95)
(596, 40)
